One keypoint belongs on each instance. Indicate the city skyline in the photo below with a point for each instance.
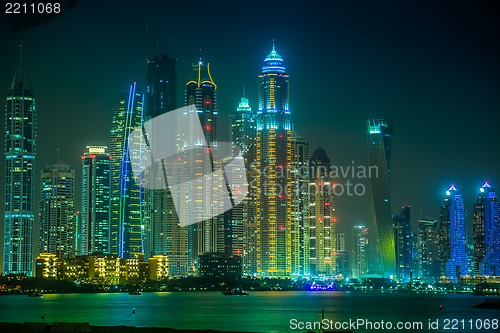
(349, 216)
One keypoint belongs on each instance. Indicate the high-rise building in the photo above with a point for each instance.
(453, 239)
(487, 221)
(161, 226)
(380, 134)
(427, 248)
(342, 257)
(360, 254)
(273, 165)
(95, 224)
(206, 236)
(20, 152)
(243, 134)
(126, 195)
(403, 244)
(300, 198)
(322, 231)
(57, 211)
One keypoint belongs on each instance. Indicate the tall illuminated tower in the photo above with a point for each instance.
(380, 134)
(57, 211)
(273, 161)
(95, 223)
(239, 222)
(360, 252)
(322, 231)
(243, 134)
(20, 152)
(428, 242)
(160, 218)
(299, 181)
(453, 228)
(208, 235)
(126, 224)
(403, 245)
(487, 232)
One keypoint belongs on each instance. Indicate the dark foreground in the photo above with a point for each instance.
(86, 327)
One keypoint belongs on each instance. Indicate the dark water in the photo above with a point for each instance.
(258, 312)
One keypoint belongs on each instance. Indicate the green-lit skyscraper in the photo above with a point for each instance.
(126, 223)
(20, 151)
(95, 222)
(380, 134)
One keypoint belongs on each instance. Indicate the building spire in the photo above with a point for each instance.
(273, 46)
(243, 91)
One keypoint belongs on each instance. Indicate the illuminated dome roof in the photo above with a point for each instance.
(273, 56)
(273, 63)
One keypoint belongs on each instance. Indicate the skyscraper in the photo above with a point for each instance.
(427, 248)
(403, 244)
(95, 226)
(243, 134)
(208, 235)
(161, 232)
(20, 152)
(57, 211)
(126, 224)
(273, 164)
(380, 134)
(453, 231)
(300, 205)
(322, 231)
(342, 257)
(360, 255)
(487, 232)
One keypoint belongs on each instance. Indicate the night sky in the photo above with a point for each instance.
(431, 66)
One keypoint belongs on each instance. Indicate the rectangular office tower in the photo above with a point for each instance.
(322, 231)
(403, 244)
(126, 222)
(95, 226)
(273, 164)
(427, 249)
(380, 134)
(453, 237)
(487, 232)
(161, 230)
(20, 151)
(57, 211)
(239, 222)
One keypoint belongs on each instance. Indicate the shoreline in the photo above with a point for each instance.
(86, 327)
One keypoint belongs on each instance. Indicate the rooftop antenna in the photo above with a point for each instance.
(57, 154)
(243, 91)
(273, 45)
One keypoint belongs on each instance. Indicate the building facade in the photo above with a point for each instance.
(489, 221)
(359, 253)
(20, 151)
(126, 195)
(427, 249)
(403, 244)
(273, 165)
(453, 232)
(57, 218)
(322, 230)
(95, 223)
(380, 136)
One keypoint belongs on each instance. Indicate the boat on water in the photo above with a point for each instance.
(236, 291)
(135, 292)
(35, 294)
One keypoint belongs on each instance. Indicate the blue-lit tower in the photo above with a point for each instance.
(126, 195)
(273, 161)
(454, 216)
(380, 134)
(20, 152)
(490, 213)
